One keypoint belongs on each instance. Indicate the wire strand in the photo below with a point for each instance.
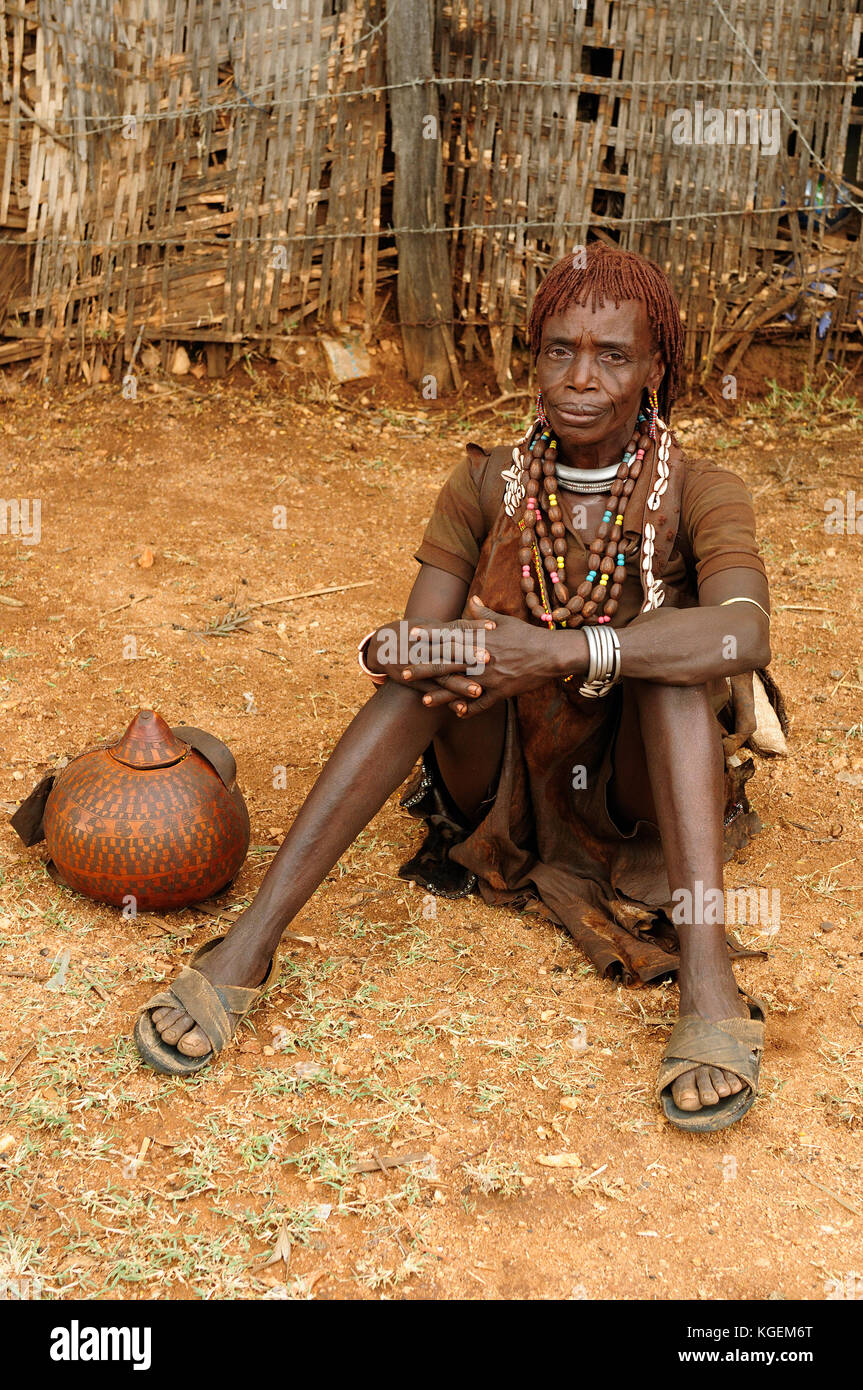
(274, 239)
(588, 86)
(837, 178)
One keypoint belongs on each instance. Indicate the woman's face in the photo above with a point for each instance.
(592, 369)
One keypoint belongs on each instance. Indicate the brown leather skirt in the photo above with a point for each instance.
(545, 841)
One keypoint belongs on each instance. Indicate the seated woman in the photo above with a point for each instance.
(590, 591)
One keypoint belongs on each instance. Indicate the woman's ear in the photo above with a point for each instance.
(656, 373)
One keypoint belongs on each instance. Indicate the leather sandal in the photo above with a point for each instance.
(734, 1045)
(216, 1009)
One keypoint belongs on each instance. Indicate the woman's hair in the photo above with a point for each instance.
(598, 274)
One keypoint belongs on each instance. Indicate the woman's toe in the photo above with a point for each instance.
(176, 1028)
(165, 1018)
(685, 1092)
(734, 1083)
(720, 1082)
(705, 1086)
(195, 1043)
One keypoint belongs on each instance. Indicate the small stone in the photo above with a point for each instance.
(181, 363)
(829, 926)
(269, 1052)
(251, 1046)
(836, 675)
(568, 1102)
(6, 1143)
(853, 779)
(307, 1071)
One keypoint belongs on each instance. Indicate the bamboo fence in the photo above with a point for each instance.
(560, 126)
(220, 172)
(202, 169)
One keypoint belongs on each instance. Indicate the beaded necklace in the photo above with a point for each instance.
(607, 569)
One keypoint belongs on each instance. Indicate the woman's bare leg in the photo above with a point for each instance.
(371, 760)
(468, 753)
(674, 778)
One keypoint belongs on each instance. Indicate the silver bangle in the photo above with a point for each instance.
(593, 652)
(604, 665)
(741, 599)
(602, 662)
(614, 673)
(597, 656)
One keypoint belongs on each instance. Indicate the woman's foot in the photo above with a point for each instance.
(710, 992)
(237, 960)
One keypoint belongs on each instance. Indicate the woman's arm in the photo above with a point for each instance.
(688, 646)
(436, 597)
(436, 602)
(669, 646)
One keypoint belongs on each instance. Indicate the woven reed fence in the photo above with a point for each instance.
(203, 169)
(561, 126)
(216, 171)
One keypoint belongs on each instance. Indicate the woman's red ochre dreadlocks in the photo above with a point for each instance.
(600, 274)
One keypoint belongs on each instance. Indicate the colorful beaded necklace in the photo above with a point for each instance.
(607, 568)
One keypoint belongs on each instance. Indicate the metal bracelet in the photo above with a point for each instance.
(593, 654)
(377, 677)
(604, 666)
(741, 599)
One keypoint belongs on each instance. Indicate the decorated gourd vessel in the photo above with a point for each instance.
(151, 819)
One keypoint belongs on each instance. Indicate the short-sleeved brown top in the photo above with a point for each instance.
(716, 529)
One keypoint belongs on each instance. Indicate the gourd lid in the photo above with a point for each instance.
(148, 742)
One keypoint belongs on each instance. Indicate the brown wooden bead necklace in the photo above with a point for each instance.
(544, 539)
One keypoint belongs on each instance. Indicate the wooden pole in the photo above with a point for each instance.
(424, 273)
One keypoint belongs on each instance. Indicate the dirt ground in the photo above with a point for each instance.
(438, 1033)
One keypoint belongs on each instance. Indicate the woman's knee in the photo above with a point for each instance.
(405, 704)
(468, 734)
(672, 701)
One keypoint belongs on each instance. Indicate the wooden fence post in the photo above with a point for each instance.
(424, 274)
